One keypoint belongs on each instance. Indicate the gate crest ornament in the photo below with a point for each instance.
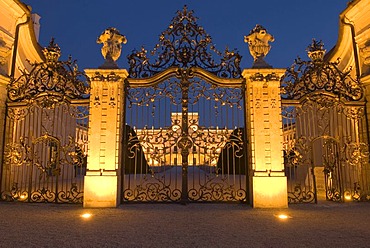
(185, 44)
(49, 82)
(317, 75)
(52, 52)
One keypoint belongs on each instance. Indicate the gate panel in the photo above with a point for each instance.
(45, 154)
(218, 164)
(213, 141)
(325, 132)
(297, 156)
(152, 161)
(185, 120)
(46, 133)
(325, 151)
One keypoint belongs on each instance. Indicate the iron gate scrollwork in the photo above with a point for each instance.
(46, 132)
(185, 133)
(325, 133)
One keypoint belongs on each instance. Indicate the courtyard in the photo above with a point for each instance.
(326, 224)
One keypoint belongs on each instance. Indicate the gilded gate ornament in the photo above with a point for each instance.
(185, 44)
(49, 83)
(305, 77)
(52, 52)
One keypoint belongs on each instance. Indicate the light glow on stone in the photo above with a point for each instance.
(86, 216)
(283, 216)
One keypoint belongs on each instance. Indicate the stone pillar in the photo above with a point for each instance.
(365, 80)
(366, 84)
(102, 183)
(264, 120)
(4, 81)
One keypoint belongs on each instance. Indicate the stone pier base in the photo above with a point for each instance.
(269, 192)
(100, 191)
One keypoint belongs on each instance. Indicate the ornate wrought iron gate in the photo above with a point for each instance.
(325, 133)
(185, 133)
(46, 133)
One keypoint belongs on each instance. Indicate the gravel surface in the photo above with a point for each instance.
(194, 225)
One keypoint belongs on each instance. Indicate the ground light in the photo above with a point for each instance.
(86, 215)
(282, 216)
(347, 197)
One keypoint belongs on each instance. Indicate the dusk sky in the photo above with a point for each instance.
(76, 24)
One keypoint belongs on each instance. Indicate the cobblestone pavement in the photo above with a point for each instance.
(194, 225)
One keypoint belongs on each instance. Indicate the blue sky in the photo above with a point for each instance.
(76, 24)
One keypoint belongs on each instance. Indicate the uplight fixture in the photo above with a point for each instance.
(347, 197)
(86, 215)
(282, 216)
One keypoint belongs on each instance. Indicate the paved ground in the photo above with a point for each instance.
(194, 225)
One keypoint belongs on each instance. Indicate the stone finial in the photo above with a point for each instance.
(258, 42)
(52, 52)
(112, 45)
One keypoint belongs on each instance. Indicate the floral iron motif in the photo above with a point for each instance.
(305, 77)
(49, 82)
(184, 44)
